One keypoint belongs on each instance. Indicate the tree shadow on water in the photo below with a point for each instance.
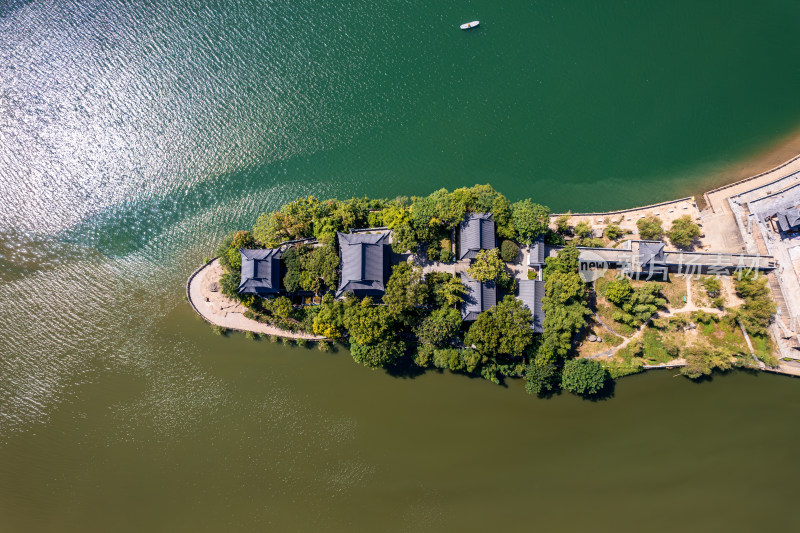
(606, 393)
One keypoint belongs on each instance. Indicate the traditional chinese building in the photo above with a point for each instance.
(261, 272)
(476, 233)
(364, 268)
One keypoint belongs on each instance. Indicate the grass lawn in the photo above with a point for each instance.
(699, 295)
(654, 352)
(606, 313)
(675, 292)
(586, 348)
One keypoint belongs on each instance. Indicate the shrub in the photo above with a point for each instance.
(683, 232)
(442, 358)
(541, 378)
(702, 361)
(562, 224)
(219, 330)
(250, 335)
(439, 327)
(287, 341)
(507, 282)
(650, 228)
(594, 242)
(445, 256)
(583, 377)
(487, 265)
(423, 357)
(583, 230)
(508, 251)
(617, 369)
(302, 343)
(383, 353)
(533, 274)
(712, 285)
(614, 232)
(758, 309)
(324, 346)
(529, 220)
(273, 338)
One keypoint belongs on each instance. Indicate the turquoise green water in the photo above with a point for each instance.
(132, 137)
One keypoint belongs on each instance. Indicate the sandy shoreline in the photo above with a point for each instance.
(203, 293)
(773, 155)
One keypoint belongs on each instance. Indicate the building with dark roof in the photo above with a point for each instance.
(261, 272)
(788, 219)
(531, 293)
(476, 233)
(537, 253)
(651, 254)
(364, 267)
(479, 297)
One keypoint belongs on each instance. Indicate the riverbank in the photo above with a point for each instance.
(205, 297)
(720, 233)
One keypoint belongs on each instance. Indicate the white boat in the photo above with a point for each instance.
(469, 25)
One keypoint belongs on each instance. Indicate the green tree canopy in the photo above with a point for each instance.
(619, 291)
(530, 220)
(564, 306)
(484, 199)
(405, 291)
(702, 361)
(650, 228)
(383, 353)
(444, 290)
(541, 378)
(562, 223)
(683, 232)
(712, 285)
(583, 230)
(439, 327)
(228, 251)
(759, 308)
(293, 221)
(438, 211)
(505, 329)
(508, 251)
(640, 305)
(487, 265)
(583, 377)
(322, 264)
(399, 220)
(329, 320)
(367, 323)
(613, 232)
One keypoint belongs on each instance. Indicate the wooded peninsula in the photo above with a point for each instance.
(469, 282)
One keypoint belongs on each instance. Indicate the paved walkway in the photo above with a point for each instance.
(202, 290)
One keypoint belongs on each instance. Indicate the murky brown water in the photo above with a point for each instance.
(134, 135)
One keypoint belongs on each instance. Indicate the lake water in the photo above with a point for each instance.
(132, 137)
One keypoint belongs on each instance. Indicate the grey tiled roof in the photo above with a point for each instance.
(789, 219)
(651, 253)
(531, 293)
(476, 233)
(536, 257)
(364, 263)
(480, 296)
(261, 272)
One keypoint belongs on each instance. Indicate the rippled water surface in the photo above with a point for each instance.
(133, 135)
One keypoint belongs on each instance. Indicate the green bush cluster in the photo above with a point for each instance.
(634, 307)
